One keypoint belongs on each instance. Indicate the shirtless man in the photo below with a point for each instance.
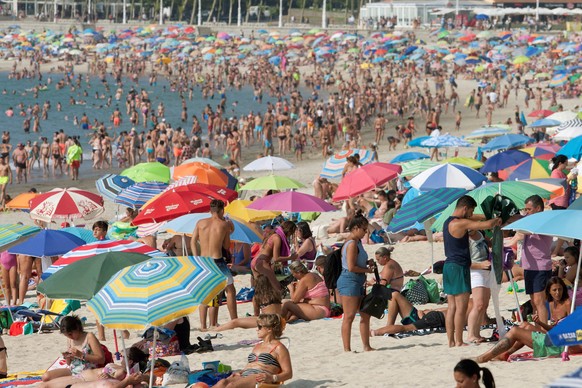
(19, 157)
(162, 152)
(211, 239)
(5, 179)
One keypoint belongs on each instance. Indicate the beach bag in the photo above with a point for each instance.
(333, 268)
(374, 303)
(5, 320)
(416, 292)
(432, 288)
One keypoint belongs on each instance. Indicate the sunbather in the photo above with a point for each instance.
(391, 276)
(309, 296)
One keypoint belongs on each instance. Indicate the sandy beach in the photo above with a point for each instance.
(316, 347)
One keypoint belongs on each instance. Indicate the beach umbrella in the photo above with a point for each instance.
(90, 275)
(528, 169)
(423, 207)
(242, 232)
(292, 201)
(212, 191)
(540, 113)
(555, 186)
(542, 151)
(11, 234)
(239, 209)
(84, 234)
(171, 205)
(558, 80)
(204, 173)
(269, 163)
(155, 292)
(505, 142)
(333, 167)
(21, 201)
(572, 149)
(444, 141)
(366, 178)
(544, 123)
(148, 172)
(137, 195)
(447, 175)
(69, 203)
(504, 160)
(563, 116)
(521, 59)
(408, 156)
(110, 185)
(416, 142)
(47, 243)
(568, 134)
(469, 162)
(208, 161)
(517, 191)
(272, 182)
(485, 132)
(415, 167)
(573, 123)
(96, 248)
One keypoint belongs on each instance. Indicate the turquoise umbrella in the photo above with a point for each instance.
(11, 234)
(83, 234)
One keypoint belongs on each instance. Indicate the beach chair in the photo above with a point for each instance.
(48, 320)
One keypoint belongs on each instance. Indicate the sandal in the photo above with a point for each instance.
(204, 346)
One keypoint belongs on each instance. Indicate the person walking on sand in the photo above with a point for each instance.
(456, 272)
(5, 179)
(20, 157)
(211, 238)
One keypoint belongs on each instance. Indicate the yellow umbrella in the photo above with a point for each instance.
(238, 209)
(469, 162)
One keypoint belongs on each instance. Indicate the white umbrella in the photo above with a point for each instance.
(563, 116)
(269, 163)
(568, 134)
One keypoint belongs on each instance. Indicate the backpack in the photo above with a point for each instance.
(333, 268)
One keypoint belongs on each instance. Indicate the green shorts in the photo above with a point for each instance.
(456, 279)
(541, 345)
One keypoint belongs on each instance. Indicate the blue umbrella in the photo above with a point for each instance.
(137, 195)
(82, 233)
(507, 141)
(572, 149)
(417, 142)
(567, 332)
(48, 243)
(576, 205)
(503, 160)
(487, 132)
(544, 123)
(110, 185)
(408, 156)
(232, 181)
(447, 175)
(423, 207)
(444, 141)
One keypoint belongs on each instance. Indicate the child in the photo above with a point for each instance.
(458, 119)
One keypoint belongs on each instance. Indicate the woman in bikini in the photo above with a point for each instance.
(275, 248)
(84, 351)
(309, 296)
(307, 247)
(266, 299)
(269, 362)
(392, 277)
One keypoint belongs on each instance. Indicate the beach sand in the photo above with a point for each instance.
(315, 347)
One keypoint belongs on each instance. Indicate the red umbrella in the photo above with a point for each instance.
(366, 178)
(68, 203)
(541, 113)
(216, 192)
(173, 204)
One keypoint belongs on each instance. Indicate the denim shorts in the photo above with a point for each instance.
(351, 284)
(221, 264)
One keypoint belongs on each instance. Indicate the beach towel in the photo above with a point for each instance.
(285, 250)
(15, 382)
(416, 333)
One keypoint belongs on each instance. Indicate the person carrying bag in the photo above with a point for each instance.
(374, 303)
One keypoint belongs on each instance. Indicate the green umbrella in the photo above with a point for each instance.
(517, 191)
(83, 279)
(415, 167)
(148, 172)
(443, 34)
(575, 77)
(520, 59)
(273, 182)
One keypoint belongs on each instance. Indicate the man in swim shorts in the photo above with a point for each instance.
(5, 179)
(211, 239)
(19, 157)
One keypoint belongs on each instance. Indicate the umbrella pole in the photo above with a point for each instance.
(565, 356)
(117, 354)
(125, 360)
(495, 288)
(510, 276)
(152, 365)
(184, 251)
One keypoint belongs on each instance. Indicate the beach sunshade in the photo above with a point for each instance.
(173, 204)
(572, 379)
(103, 246)
(157, 291)
(137, 195)
(504, 160)
(333, 167)
(572, 149)
(423, 207)
(272, 182)
(558, 80)
(447, 175)
(84, 234)
(12, 234)
(567, 134)
(47, 243)
(563, 116)
(465, 161)
(541, 113)
(239, 209)
(408, 156)
(148, 172)
(212, 191)
(70, 203)
(444, 141)
(528, 169)
(415, 167)
(21, 201)
(110, 185)
(208, 161)
(544, 123)
(243, 232)
(508, 141)
(90, 275)
(366, 178)
(292, 201)
(555, 186)
(563, 223)
(204, 173)
(517, 191)
(269, 163)
(542, 151)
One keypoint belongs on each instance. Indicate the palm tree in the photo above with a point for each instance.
(248, 7)
(303, 10)
(211, 11)
(289, 11)
(231, 4)
(194, 10)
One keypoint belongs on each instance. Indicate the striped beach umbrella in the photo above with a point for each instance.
(558, 80)
(157, 291)
(447, 175)
(423, 207)
(137, 195)
(415, 167)
(12, 234)
(69, 203)
(333, 167)
(542, 151)
(444, 141)
(110, 185)
(504, 160)
(465, 161)
(485, 132)
(528, 169)
(84, 234)
(408, 156)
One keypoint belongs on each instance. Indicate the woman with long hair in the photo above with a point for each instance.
(468, 374)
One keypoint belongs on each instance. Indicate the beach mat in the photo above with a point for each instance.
(417, 333)
(13, 380)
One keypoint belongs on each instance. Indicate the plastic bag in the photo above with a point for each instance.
(177, 373)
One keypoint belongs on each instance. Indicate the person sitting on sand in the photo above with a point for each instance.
(307, 248)
(84, 350)
(309, 296)
(269, 362)
(266, 298)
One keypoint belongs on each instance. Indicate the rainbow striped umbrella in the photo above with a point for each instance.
(542, 151)
(12, 234)
(157, 291)
(333, 167)
(528, 169)
(559, 79)
(137, 195)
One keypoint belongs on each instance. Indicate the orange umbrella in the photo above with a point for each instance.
(204, 173)
(21, 201)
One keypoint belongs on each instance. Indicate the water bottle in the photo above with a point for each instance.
(184, 362)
